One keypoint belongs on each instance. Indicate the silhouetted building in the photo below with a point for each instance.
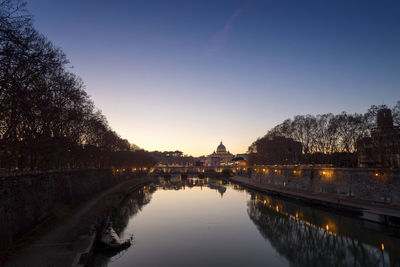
(278, 150)
(240, 160)
(382, 149)
(199, 163)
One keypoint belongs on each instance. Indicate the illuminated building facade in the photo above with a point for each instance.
(220, 157)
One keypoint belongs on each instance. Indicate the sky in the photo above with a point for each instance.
(184, 75)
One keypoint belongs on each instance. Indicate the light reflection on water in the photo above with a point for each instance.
(207, 222)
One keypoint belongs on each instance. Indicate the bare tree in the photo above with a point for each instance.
(325, 138)
(47, 120)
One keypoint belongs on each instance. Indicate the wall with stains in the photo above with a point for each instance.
(377, 185)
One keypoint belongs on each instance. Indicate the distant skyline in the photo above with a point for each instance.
(184, 75)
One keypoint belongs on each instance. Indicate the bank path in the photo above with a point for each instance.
(60, 246)
(367, 210)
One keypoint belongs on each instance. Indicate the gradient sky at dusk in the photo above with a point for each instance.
(186, 74)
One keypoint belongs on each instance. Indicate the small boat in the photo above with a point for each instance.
(110, 241)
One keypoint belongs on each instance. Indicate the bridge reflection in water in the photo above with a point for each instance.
(303, 235)
(196, 170)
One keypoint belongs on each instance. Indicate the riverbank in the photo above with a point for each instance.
(388, 214)
(31, 200)
(59, 246)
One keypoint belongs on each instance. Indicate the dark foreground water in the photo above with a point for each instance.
(205, 222)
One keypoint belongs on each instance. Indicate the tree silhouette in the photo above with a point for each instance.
(325, 138)
(47, 120)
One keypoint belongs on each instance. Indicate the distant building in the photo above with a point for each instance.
(221, 157)
(242, 156)
(240, 160)
(173, 159)
(277, 150)
(382, 149)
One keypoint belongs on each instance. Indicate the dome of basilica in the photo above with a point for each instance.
(221, 148)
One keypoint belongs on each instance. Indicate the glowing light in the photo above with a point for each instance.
(383, 246)
(376, 174)
(327, 174)
(327, 227)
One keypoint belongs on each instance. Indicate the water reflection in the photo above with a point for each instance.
(178, 183)
(191, 216)
(311, 237)
(134, 202)
(129, 206)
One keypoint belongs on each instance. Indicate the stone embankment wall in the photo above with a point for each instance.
(378, 185)
(28, 200)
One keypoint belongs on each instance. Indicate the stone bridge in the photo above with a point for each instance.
(193, 169)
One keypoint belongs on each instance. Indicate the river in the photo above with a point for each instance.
(208, 222)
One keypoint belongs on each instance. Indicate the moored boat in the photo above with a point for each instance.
(110, 241)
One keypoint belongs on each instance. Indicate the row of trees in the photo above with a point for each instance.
(47, 120)
(328, 137)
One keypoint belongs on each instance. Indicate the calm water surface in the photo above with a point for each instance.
(207, 222)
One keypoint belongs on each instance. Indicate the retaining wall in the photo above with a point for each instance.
(27, 200)
(378, 185)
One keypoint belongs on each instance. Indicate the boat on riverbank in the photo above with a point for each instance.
(109, 241)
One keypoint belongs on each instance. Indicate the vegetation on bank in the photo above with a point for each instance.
(325, 139)
(47, 120)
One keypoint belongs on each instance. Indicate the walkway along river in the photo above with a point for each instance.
(207, 222)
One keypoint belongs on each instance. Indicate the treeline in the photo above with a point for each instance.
(47, 120)
(326, 138)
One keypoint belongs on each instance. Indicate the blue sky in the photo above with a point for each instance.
(187, 74)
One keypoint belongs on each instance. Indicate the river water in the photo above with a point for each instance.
(207, 222)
